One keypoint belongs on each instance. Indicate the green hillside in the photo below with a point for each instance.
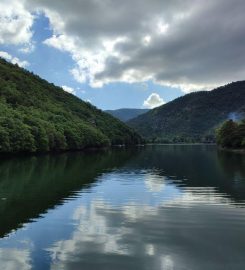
(37, 116)
(193, 117)
(126, 114)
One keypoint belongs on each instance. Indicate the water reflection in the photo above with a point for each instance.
(15, 259)
(154, 183)
(31, 186)
(165, 207)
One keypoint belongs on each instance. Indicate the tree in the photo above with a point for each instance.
(231, 134)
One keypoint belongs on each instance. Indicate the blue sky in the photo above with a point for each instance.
(124, 54)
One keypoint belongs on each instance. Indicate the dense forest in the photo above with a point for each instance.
(193, 117)
(232, 135)
(37, 116)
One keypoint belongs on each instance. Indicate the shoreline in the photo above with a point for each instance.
(67, 151)
(233, 150)
(180, 144)
(106, 148)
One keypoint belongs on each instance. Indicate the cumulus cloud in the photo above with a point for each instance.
(190, 44)
(154, 100)
(13, 60)
(69, 89)
(170, 42)
(15, 23)
(15, 259)
(27, 48)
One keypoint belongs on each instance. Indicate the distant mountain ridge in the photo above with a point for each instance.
(193, 117)
(126, 114)
(37, 116)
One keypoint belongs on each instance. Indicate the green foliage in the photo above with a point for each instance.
(36, 116)
(193, 117)
(231, 134)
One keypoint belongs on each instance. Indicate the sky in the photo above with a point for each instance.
(126, 54)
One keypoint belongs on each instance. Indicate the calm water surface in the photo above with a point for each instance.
(157, 207)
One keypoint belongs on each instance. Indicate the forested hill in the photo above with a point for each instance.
(193, 117)
(37, 116)
(126, 114)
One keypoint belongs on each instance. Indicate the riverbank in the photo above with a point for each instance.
(180, 144)
(234, 150)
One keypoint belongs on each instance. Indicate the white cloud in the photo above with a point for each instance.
(154, 100)
(12, 258)
(13, 60)
(169, 42)
(15, 23)
(69, 89)
(5, 55)
(27, 48)
(154, 183)
(89, 62)
(62, 43)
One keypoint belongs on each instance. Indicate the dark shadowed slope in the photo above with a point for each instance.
(193, 117)
(38, 116)
(126, 114)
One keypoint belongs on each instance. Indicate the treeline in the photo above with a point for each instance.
(210, 138)
(193, 117)
(36, 116)
(231, 134)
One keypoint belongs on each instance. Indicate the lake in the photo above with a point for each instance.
(154, 207)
